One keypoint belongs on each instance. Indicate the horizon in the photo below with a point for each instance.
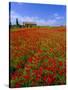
(42, 14)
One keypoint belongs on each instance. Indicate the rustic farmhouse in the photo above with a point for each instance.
(29, 24)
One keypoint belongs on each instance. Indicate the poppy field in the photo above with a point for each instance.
(37, 56)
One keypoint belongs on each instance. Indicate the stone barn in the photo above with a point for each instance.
(29, 24)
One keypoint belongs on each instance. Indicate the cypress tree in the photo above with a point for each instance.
(17, 24)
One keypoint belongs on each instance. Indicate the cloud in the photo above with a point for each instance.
(14, 15)
(39, 21)
(49, 22)
(29, 19)
(57, 16)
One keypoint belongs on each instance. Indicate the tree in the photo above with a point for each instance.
(17, 24)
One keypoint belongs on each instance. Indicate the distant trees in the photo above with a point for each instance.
(14, 25)
(17, 23)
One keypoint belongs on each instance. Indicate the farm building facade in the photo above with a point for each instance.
(29, 24)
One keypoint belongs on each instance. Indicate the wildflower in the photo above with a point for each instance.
(60, 63)
(18, 66)
(30, 60)
(40, 51)
(49, 80)
(26, 77)
(17, 85)
(44, 78)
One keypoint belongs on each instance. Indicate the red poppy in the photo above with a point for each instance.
(51, 49)
(30, 60)
(49, 80)
(60, 63)
(18, 66)
(14, 75)
(40, 51)
(37, 78)
(45, 78)
(17, 85)
(26, 77)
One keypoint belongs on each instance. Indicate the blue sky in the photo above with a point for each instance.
(42, 14)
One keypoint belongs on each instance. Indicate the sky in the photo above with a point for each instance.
(42, 14)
